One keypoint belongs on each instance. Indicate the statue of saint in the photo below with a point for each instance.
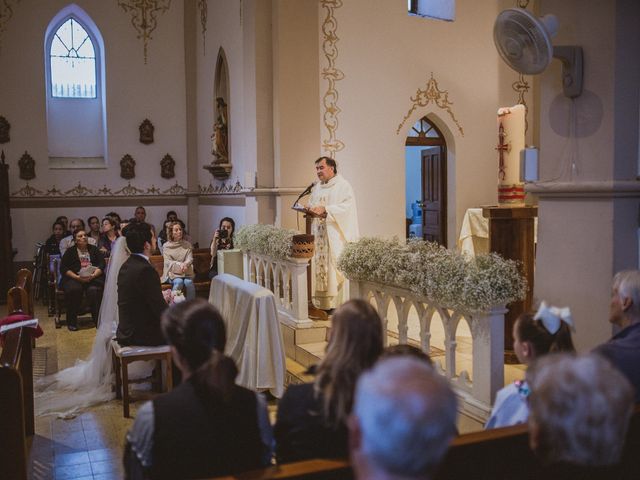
(220, 137)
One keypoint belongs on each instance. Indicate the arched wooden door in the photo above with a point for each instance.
(434, 179)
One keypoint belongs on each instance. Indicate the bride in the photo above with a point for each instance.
(89, 381)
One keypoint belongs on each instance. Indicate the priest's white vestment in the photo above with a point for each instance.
(331, 234)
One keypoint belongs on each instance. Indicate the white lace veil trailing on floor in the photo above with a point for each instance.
(89, 381)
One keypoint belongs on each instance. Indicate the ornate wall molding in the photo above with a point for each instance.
(331, 74)
(28, 191)
(204, 13)
(521, 86)
(144, 17)
(431, 93)
(6, 12)
(223, 188)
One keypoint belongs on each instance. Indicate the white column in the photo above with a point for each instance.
(488, 354)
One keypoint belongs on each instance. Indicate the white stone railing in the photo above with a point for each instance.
(487, 333)
(287, 279)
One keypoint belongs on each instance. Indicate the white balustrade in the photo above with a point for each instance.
(487, 332)
(287, 279)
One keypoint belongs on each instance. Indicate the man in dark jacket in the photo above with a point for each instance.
(140, 300)
(623, 349)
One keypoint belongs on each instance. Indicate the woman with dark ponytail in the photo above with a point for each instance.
(548, 331)
(206, 426)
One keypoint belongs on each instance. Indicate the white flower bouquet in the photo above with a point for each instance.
(266, 240)
(453, 280)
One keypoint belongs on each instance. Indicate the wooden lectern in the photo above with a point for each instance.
(512, 235)
(314, 312)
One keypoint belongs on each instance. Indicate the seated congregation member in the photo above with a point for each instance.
(163, 236)
(312, 417)
(207, 426)
(94, 228)
(68, 241)
(533, 337)
(178, 262)
(140, 300)
(623, 349)
(222, 240)
(82, 268)
(109, 235)
(65, 221)
(404, 417)
(52, 244)
(580, 410)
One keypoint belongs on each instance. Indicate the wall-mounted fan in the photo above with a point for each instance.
(524, 43)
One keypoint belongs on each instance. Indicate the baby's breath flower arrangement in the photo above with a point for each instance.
(448, 278)
(266, 240)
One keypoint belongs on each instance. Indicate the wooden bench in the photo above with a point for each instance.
(499, 454)
(123, 356)
(201, 263)
(16, 393)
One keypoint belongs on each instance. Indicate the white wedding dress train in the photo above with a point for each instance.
(89, 381)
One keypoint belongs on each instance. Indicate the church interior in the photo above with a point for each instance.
(216, 109)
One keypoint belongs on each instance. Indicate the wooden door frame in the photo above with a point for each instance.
(435, 142)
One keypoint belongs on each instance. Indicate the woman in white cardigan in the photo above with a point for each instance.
(178, 262)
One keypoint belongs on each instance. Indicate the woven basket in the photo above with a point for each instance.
(302, 246)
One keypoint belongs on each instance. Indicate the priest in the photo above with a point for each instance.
(335, 223)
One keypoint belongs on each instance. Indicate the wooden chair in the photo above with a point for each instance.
(123, 356)
(56, 293)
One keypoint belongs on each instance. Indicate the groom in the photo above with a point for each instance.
(140, 300)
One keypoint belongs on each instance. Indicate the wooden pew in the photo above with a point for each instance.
(201, 262)
(16, 403)
(499, 454)
(24, 280)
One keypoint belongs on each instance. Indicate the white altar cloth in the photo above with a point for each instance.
(254, 338)
(474, 234)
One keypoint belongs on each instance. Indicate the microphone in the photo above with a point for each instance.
(307, 191)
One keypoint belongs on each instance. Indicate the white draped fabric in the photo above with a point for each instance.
(331, 234)
(254, 338)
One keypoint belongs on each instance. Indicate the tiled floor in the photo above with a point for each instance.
(88, 446)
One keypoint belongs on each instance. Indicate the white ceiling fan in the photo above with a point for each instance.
(524, 43)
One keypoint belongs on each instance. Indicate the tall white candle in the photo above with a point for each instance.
(512, 120)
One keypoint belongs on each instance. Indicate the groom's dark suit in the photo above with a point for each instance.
(140, 303)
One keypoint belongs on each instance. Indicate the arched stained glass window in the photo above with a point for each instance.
(73, 62)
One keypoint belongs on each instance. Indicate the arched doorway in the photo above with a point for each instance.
(426, 182)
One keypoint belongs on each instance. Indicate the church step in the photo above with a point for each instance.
(298, 336)
(296, 373)
(309, 354)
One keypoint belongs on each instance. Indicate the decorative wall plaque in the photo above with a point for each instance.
(144, 17)
(146, 132)
(167, 166)
(127, 167)
(27, 166)
(5, 126)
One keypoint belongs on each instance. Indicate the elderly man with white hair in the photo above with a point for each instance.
(580, 408)
(403, 420)
(623, 349)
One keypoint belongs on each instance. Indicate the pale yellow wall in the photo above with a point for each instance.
(588, 226)
(134, 91)
(386, 56)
